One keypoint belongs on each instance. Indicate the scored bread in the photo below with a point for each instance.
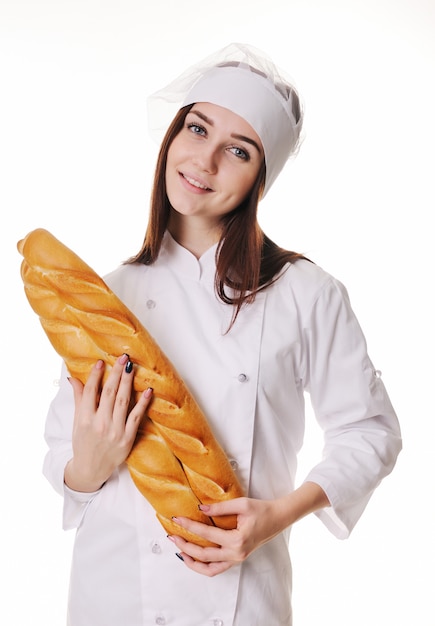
(176, 462)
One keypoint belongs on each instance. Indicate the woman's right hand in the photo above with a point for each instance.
(105, 425)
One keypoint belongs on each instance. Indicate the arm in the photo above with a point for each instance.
(258, 521)
(362, 436)
(70, 464)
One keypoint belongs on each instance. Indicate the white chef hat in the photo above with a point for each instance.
(244, 80)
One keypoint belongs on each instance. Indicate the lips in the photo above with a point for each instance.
(195, 182)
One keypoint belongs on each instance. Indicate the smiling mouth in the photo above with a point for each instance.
(196, 183)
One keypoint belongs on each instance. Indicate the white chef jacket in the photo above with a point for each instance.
(299, 335)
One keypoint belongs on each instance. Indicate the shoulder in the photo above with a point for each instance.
(307, 286)
(125, 278)
(306, 279)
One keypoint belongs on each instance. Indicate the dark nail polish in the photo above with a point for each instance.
(179, 556)
(129, 367)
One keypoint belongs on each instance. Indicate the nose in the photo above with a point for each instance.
(206, 158)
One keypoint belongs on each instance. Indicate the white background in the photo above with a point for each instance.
(76, 158)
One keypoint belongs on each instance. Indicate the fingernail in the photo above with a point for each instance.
(148, 392)
(170, 537)
(179, 556)
(69, 379)
(129, 367)
(123, 358)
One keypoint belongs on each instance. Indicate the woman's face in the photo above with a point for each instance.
(212, 163)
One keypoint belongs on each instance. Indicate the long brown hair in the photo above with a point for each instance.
(247, 261)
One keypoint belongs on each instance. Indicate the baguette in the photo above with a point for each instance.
(175, 462)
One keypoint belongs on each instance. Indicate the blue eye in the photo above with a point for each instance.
(239, 153)
(196, 129)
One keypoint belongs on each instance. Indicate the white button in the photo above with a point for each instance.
(242, 378)
(156, 549)
(151, 304)
(234, 464)
(377, 373)
(160, 620)
(218, 622)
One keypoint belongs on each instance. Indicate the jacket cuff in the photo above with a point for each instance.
(339, 518)
(75, 504)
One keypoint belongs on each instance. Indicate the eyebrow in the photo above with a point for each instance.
(233, 135)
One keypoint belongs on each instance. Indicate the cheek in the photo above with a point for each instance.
(243, 186)
(173, 151)
(171, 162)
(171, 154)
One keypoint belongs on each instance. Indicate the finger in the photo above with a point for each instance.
(91, 391)
(206, 569)
(123, 399)
(211, 534)
(236, 506)
(137, 413)
(192, 552)
(77, 388)
(111, 386)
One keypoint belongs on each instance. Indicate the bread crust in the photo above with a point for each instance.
(176, 462)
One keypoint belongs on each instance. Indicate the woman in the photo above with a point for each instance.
(250, 327)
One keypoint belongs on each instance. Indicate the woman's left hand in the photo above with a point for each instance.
(255, 526)
(258, 521)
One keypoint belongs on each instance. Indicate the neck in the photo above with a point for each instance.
(193, 233)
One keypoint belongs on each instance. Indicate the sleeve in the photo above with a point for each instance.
(362, 436)
(58, 435)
